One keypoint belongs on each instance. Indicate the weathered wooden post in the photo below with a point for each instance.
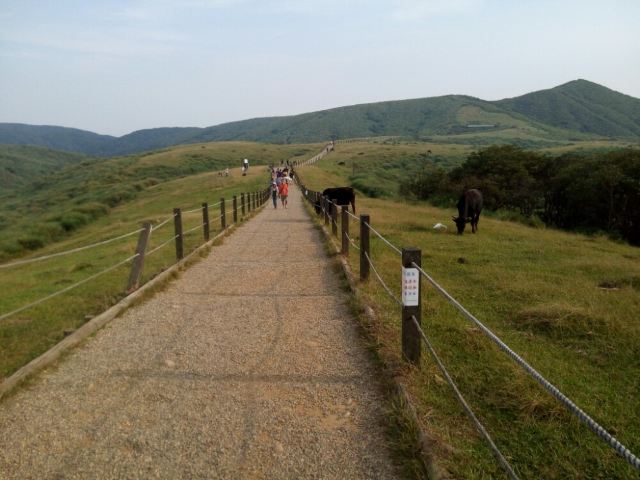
(242, 202)
(345, 231)
(334, 219)
(235, 209)
(177, 228)
(411, 304)
(253, 200)
(138, 262)
(205, 221)
(223, 215)
(364, 247)
(325, 210)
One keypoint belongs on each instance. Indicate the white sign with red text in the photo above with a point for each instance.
(410, 287)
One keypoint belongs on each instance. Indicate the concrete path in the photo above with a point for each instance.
(247, 366)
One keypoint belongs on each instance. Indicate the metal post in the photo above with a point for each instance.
(411, 341)
(223, 214)
(177, 224)
(138, 262)
(205, 221)
(345, 230)
(364, 247)
(235, 209)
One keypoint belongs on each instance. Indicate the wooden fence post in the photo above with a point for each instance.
(242, 202)
(411, 341)
(138, 262)
(334, 219)
(177, 228)
(364, 247)
(205, 221)
(235, 209)
(345, 230)
(223, 214)
(325, 205)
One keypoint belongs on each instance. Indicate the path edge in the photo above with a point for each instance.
(102, 319)
(434, 472)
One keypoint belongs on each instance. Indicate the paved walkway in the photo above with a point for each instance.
(247, 366)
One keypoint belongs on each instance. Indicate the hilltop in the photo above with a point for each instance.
(576, 110)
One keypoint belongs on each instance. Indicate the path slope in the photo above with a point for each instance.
(247, 366)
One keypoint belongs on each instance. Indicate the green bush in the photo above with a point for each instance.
(73, 220)
(30, 242)
(93, 209)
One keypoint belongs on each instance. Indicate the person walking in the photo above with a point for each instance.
(284, 192)
(274, 194)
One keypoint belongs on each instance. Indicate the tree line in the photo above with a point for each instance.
(573, 191)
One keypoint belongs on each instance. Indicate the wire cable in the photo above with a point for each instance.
(68, 252)
(384, 239)
(483, 432)
(66, 289)
(384, 285)
(623, 451)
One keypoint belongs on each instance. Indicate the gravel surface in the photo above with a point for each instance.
(247, 366)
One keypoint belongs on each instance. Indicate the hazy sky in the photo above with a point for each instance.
(117, 66)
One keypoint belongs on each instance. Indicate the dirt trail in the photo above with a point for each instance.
(247, 366)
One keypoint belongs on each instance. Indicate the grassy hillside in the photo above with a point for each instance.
(566, 303)
(75, 196)
(21, 165)
(69, 207)
(581, 106)
(576, 110)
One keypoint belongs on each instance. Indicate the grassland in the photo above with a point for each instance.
(566, 303)
(27, 334)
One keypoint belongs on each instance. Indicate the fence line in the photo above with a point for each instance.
(162, 245)
(548, 386)
(384, 285)
(163, 223)
(66, 289)
(494, 449)
(68, 252)
(605, 436)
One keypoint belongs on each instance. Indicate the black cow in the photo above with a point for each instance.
(469, 208)
(340, 196)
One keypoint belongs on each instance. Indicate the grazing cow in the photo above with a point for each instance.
(339, 195)
(469, 208)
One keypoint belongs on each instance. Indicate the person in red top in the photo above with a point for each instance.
(283, 189)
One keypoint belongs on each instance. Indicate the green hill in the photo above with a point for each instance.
(576, 110)
(22, 165)
(72, 196)
(581, 106)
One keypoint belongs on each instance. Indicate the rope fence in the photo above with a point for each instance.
(66, 289)
(366, 264)
(68, 252)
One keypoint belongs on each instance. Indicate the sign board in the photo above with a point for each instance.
(410, 287)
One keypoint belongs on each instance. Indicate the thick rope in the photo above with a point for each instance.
(623, 451)
(494, 449)
(384, 285)
(68, 252)
(70, 287)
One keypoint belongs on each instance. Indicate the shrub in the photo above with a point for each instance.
(30, 242)
(73, 219)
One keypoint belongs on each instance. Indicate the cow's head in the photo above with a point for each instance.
(460, 223)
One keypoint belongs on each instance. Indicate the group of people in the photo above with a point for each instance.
(280, 181)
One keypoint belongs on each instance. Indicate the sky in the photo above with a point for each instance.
(113, 66)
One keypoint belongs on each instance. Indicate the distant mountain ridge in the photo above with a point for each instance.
(577, 108)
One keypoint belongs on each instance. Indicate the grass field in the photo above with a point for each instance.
(568, 304)
(27, 334)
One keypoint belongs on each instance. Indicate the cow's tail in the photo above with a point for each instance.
(353, 203)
